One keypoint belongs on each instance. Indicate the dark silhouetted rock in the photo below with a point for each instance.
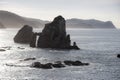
(54, 35)
(24, 35)
(118, 55)
(33, 40)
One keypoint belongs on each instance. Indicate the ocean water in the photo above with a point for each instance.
(98, 47)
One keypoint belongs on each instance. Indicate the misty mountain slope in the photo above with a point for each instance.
(11, 20)
(92, 23)
(1, 25)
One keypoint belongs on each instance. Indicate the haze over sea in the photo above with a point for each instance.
(99, 47)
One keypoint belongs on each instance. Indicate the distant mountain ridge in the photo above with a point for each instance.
(91, 23)
(12, 20)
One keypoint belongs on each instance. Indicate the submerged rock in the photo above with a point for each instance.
(24, 35)
(20, 48)
(2, 50)
(27, 59)
(118, 55)
(54, 35)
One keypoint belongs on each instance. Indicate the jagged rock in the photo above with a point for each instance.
(118, 55)
(54, 35)
(24, 35)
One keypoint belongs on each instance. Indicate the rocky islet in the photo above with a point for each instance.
(53, 36)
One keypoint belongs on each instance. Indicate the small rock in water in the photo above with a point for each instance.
(7, 47)
(43, 66)
(20, 48)
(118, 55)
(75, 63)
(68, 62)
(79, 63)
(46, 66)
(36, 64)
(58, 64)
(27, 59)
(2, 50)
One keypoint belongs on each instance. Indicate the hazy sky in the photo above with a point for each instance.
(105, 10)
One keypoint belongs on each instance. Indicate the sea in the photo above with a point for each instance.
(98, 47)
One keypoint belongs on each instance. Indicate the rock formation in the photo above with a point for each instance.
(54, 35)
(24, 35)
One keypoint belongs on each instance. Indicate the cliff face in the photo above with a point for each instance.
(54, 34)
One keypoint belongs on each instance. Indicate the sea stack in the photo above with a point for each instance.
(24, 35)
(54, 35)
